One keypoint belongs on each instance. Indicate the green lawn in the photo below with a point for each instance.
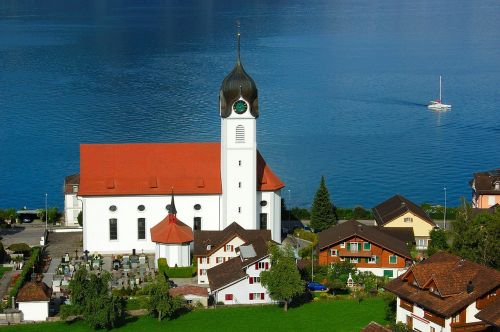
(341, 315)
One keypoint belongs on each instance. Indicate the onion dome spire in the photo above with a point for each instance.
(172, 209)
(238, 85)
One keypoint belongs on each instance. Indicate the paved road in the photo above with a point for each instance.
(48, 277)
(59, 244)
(4, 283)
(26, 233)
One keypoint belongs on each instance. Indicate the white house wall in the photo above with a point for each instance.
(34, 311)
(379, 272)
(241, 289)
(72, 207)
(225, 255)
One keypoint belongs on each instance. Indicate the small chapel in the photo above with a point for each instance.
(126, 190)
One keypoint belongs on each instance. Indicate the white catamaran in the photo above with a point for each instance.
(437, 105)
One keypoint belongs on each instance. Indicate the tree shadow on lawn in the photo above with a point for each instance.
(300, 300)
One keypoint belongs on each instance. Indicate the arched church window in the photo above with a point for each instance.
(112, 208)
(240, 134)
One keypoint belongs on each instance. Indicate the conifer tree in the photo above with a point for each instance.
(323, 214)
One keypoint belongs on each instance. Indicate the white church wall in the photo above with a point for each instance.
(96, 237)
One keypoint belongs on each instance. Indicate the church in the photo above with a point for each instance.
(126, 189)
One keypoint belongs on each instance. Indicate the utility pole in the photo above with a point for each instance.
(46, 213)
(444, 219)
(289, 207)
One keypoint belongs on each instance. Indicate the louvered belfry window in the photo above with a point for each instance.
(240, 134)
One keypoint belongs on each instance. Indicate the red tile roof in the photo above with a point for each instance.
(375, 327)
(452, 276)
(189, 290)
(171, 231)
(490, 314)
(155, 168)
(34, 291)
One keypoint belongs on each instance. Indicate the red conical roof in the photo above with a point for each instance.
(171, 231)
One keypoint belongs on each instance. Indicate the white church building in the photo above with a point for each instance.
(125, 189)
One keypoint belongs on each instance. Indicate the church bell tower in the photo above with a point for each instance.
(238, 111)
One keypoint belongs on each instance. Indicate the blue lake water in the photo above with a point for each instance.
(343, 89)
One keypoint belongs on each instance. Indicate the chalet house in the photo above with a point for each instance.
(397, 211)
(446, 293)
(237, 281)
(212, 248)
(33, 299)
(369, 248)
(485, 189)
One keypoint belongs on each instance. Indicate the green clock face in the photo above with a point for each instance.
(240, 106)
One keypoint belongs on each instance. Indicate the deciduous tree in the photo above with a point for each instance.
(282, 280)
(323, 211)
(477, 237)
(439, 241)
(91, 297)
(160, 303)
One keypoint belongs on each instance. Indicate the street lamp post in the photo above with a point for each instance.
(444, 217)
(289, 205)
(46, 214)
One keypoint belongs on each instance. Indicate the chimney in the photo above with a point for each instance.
(470, 287)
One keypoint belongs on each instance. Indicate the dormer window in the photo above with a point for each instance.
(496, 184)
(209, 247)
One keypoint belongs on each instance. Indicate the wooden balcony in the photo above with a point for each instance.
(468, 327)
(354, 253)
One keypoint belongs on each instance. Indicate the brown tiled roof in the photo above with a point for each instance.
(216, 239)
(395, 207)
(233, 269)
(484, 182)
(34, 291)
(451, 275)
(348, 229)
(225, 273)
(188, 290)
(375, 327)
(404, 234)
(490, 314)
(69, 181)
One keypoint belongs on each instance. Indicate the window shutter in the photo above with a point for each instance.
(366, 260)
(250, 296)
(359, 246)
(208, 260)
(267, 266)
(262, 296)
(256, 266)
(224, 248)
(250, 280)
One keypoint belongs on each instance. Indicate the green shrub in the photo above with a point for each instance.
(180, 272)
(20, 248)
(175, 272)
(25, 273)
